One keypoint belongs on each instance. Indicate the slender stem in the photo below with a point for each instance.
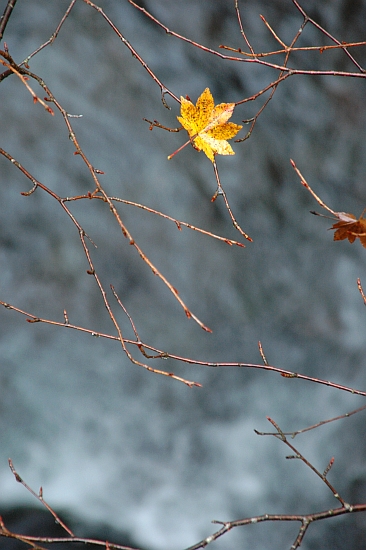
(4, 19)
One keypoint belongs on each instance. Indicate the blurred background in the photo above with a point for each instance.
(137, 457)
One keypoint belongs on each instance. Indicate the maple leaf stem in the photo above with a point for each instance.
(180, 148)
(321, 215)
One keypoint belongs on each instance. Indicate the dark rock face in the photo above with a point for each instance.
(109, 442)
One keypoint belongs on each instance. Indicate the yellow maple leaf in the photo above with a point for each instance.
(207, 125)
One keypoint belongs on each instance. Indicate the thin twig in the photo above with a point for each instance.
(319, 49)
(40, 498)
(264, 358)
(16, 71)
(301, 457)
(220, 191)
(307, 186)
(318, 424)
(4, 19)
(238, 15)
(361, 290)
(164, 90)
(326, 33)
(156, 124)
(53, 36)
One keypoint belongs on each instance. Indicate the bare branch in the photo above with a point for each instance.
(4, 19)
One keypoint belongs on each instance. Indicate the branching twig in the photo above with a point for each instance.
(328, 35)
(54, 35)
(34, 541)
(305, 520)
(92, 271)
(164, 90)
(14, 69)
(318, 424)
(280, 434)
(164, 354)
(40, 498)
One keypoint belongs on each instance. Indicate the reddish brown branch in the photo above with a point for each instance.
(164, 90)
(220, 191)
(280, 435)
(319, 49)
(16, 70)
(328, 35)
(256, 58)
(318, 424)
(361, 291)
(54, 35)
(40, 498)
(238, 15)
(92, 270)
(305, 520)
(164, 354)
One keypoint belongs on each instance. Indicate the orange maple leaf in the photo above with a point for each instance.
(207, 125)
(350, 228)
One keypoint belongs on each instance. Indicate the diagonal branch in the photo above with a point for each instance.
(4, 19)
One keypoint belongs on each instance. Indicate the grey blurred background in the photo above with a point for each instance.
(111, 444)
